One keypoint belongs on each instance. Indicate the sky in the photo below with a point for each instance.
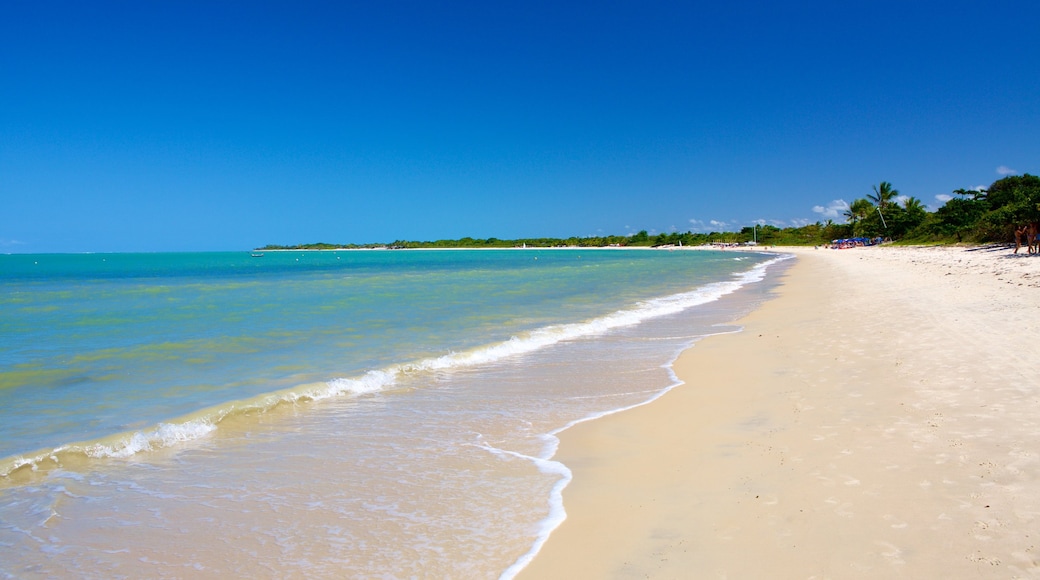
(192, 126)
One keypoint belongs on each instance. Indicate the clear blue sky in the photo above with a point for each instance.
(150, 126)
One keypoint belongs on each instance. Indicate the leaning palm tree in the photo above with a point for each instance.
(883, 194)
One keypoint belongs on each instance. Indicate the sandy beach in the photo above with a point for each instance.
(879, 418)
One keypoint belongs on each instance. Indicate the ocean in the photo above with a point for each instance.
(380, 414)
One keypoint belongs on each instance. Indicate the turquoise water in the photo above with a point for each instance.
(427, 385)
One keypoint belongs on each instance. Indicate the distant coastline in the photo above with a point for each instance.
(375, 248)
(1008, 211)
(641, 239)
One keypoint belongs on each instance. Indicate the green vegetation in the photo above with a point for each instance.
(975, 215)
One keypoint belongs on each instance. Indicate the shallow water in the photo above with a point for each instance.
(436, 463)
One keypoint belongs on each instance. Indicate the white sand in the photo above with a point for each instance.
(880, 418)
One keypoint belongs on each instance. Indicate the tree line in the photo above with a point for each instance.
(974, 215)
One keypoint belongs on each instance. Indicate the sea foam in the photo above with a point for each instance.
(164, 435)
(548, 336)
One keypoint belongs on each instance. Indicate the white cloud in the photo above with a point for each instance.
(1005, 170)
(5, 243)
(833, 210)
(800, 222)
(943, 198)
(702, 226)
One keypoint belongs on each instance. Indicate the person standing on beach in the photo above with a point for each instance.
(1019, 232)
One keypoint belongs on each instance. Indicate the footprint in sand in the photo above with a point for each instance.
(728, 533)
(980, 559)
(827, 481)
(891, 552)
(894, 522)
(843, 510)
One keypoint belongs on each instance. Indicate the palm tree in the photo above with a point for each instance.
(859, 209)
(883, 194)
(912, 205)
(850, 216)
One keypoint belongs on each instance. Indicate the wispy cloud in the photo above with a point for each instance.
(708, 226)
(832, 210)
(1005, 170)
(781, 223)
(7, 243)
(943, 198)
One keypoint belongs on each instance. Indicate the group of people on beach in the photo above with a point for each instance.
(1030, 233)
(844, 244)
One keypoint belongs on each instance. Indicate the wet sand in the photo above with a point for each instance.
(879, 418)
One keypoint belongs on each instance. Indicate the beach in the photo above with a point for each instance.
(877, 418)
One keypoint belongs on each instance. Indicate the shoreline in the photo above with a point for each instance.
(886, 428)
(29, 466)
